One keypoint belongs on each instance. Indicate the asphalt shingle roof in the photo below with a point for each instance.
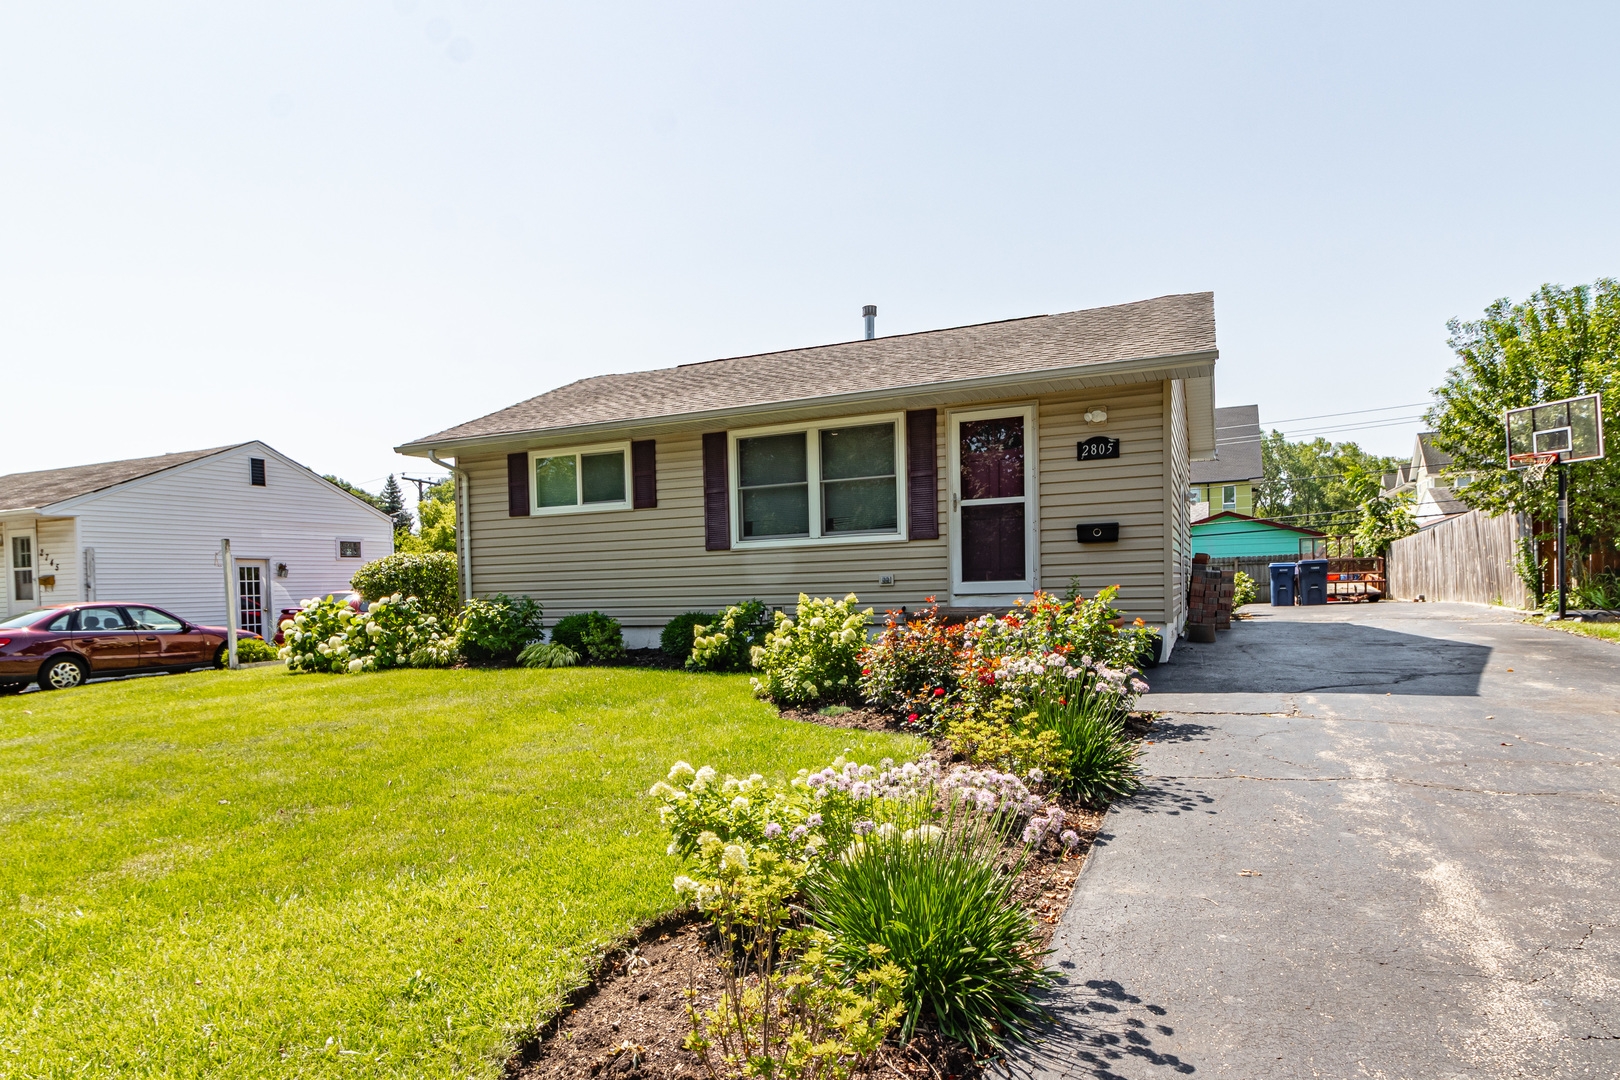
(1237, 448)
(1178, 325)
(48, 486)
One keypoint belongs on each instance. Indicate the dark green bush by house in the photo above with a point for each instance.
(429, 576)
(252, 650)
(591, 634)
(676, 640)
(494, 631)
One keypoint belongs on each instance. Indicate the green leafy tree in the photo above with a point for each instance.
(437, 512)
(358, 492)
(1561, 342)
(1317, 484)
(1380, 519)
(392, 502)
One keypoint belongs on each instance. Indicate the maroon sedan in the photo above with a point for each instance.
(63, 646)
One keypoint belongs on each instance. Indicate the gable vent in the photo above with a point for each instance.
(256, 471)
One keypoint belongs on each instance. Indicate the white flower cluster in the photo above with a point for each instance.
(327, 635)
(908, 782)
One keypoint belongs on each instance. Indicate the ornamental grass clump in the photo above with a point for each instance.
(547, 654)
(814, 659)
(939, 905)
(1098, 756)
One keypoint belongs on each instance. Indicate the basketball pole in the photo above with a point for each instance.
(1563, 534)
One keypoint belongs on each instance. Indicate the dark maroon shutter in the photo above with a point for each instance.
(517, 485)
(922, 475)
(716, 496)
(644, 474)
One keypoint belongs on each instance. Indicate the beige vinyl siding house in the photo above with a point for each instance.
(149, 529)
(737, 478)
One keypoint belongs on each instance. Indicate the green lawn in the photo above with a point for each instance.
(241, 874)
(1608, 631)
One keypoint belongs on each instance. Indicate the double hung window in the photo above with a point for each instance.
(1229, 497)
(574, 480)
(830, 481)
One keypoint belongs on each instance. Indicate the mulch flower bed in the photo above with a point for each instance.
(629, 1021)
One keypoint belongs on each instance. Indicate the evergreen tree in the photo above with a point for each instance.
(392, 503)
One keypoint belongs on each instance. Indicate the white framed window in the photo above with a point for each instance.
(349, 549)
(579, 479)
(832, 481)
(1229, 497)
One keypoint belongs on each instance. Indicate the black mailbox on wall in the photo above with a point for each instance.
(1097, 532)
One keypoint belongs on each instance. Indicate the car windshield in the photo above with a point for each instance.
(17, 622)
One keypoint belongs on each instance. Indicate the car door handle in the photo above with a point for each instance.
(148, 639)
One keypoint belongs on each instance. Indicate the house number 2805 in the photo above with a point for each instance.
(1097, 448)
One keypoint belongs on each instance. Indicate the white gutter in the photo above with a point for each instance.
(463, 524)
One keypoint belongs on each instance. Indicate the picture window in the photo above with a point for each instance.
(573, 480)
(348, 549)
(825, 482)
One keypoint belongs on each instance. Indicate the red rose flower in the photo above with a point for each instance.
(939, 692)
(912, 718)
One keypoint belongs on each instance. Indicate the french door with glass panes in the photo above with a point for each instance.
(993, 501)
(22, 590)
(250, 586)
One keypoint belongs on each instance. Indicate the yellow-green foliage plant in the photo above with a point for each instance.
(814, 658)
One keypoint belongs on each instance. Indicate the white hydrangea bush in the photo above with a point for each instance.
(724, 823)
(816, 657)
(328, 636)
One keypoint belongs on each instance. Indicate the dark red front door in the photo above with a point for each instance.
(993, 522)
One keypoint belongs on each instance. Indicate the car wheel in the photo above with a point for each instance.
(63, 673)
(222, 656)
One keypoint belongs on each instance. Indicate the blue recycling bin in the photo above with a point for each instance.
(1282, 584)
(1313, 581)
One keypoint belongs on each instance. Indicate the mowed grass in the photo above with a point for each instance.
(242, 874)
(1606, 631)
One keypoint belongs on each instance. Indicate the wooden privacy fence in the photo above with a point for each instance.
(1469, 558)
(1257, 567)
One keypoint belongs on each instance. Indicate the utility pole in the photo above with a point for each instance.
(422, 484)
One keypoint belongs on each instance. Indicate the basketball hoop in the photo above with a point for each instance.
(1535, 465)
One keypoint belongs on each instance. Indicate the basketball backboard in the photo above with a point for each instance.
(1572, 428)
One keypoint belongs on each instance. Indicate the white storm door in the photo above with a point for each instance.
(251, 585)
(993, 501)
(22, 588)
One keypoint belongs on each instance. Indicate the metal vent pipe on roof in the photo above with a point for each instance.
(870, 312)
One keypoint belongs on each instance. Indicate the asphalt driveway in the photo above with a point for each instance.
(1376, 841)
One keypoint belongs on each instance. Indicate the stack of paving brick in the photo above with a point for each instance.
(1204, 601)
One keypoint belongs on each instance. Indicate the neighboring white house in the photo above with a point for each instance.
(1430, 481)
(149, 529)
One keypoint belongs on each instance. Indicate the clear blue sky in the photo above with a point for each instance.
(339, 226)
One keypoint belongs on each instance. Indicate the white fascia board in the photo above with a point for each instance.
(1201, 418)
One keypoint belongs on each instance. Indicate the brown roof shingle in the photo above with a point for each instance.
(33, 489)
(1178, 325)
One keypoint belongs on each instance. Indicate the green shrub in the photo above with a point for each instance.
(1244, 589)
(253, 650)
(1098, 759)
(591, 634)
(998, 737)
(543, 654)
(430, 576)
(941, 908)
(676, 640)
(328, 636)
(727, 643)
(494, 631)
(913, 667)
(815, 658)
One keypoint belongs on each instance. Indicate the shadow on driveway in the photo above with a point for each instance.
(1295, 655)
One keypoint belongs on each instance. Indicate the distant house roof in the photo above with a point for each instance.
(34, 489)
(1235, 516)
(1168, 327)
(1431, 457)
(1237, 448)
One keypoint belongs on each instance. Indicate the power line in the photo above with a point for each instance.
(1354, 412)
